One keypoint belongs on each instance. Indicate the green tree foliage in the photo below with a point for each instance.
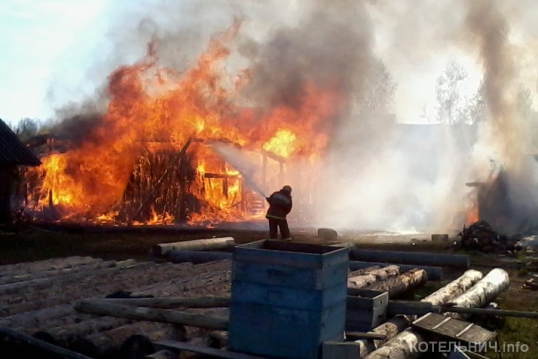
(454, 106)
(378, 92)
(449, 93)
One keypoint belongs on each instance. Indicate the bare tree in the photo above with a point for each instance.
(27, 128)
(475, 109)
(448, 93)
(379, 90)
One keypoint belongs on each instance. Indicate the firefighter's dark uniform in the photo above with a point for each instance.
(280, 205)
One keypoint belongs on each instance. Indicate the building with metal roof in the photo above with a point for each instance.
(13, 153)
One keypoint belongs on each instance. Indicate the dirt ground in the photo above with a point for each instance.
(32, 244)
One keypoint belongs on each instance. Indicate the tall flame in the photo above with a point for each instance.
(152, 104)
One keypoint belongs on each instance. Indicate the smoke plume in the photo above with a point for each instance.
(375, 57)
(505, 133)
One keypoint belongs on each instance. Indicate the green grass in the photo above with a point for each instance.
(33, 245)
(522, 330)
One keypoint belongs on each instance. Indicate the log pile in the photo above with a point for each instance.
(399, 323)
(481, 237)
(403, 345)
(103, 309)
(38, 299)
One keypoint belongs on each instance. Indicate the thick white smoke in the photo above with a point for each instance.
(417, 179)
(386, 56)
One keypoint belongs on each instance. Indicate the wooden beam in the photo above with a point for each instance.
(149, 314)
(273, 156)
(415, 258)
(220, 175)
(362, 335)
(194, 245)
(396, 307)
(173, 302)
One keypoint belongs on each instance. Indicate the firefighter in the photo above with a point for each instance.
(280, 205)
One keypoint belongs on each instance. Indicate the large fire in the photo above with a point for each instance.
(152, 115)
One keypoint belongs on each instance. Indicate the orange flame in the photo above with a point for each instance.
(473, 216)
(149, 103)
(282, 144)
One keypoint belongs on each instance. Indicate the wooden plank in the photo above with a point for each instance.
(291, 254)
(289, 276)
(366, 310)
(485, 311)
(369, 299)
(149, 314)
(417, 258)
(396, 307)
(173, 302)
(454, 329)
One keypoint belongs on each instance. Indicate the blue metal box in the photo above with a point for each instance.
(287, 298)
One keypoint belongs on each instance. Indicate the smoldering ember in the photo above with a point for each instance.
(280, 179)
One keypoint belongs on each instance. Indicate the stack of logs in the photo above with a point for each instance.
(106, 309)
(38, 298)
(471, 290)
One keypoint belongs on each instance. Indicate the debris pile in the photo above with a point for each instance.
(481, 237)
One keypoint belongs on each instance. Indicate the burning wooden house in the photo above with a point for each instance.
(166, 184)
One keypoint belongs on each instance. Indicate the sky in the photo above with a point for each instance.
(48, 48)
(44, 42)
